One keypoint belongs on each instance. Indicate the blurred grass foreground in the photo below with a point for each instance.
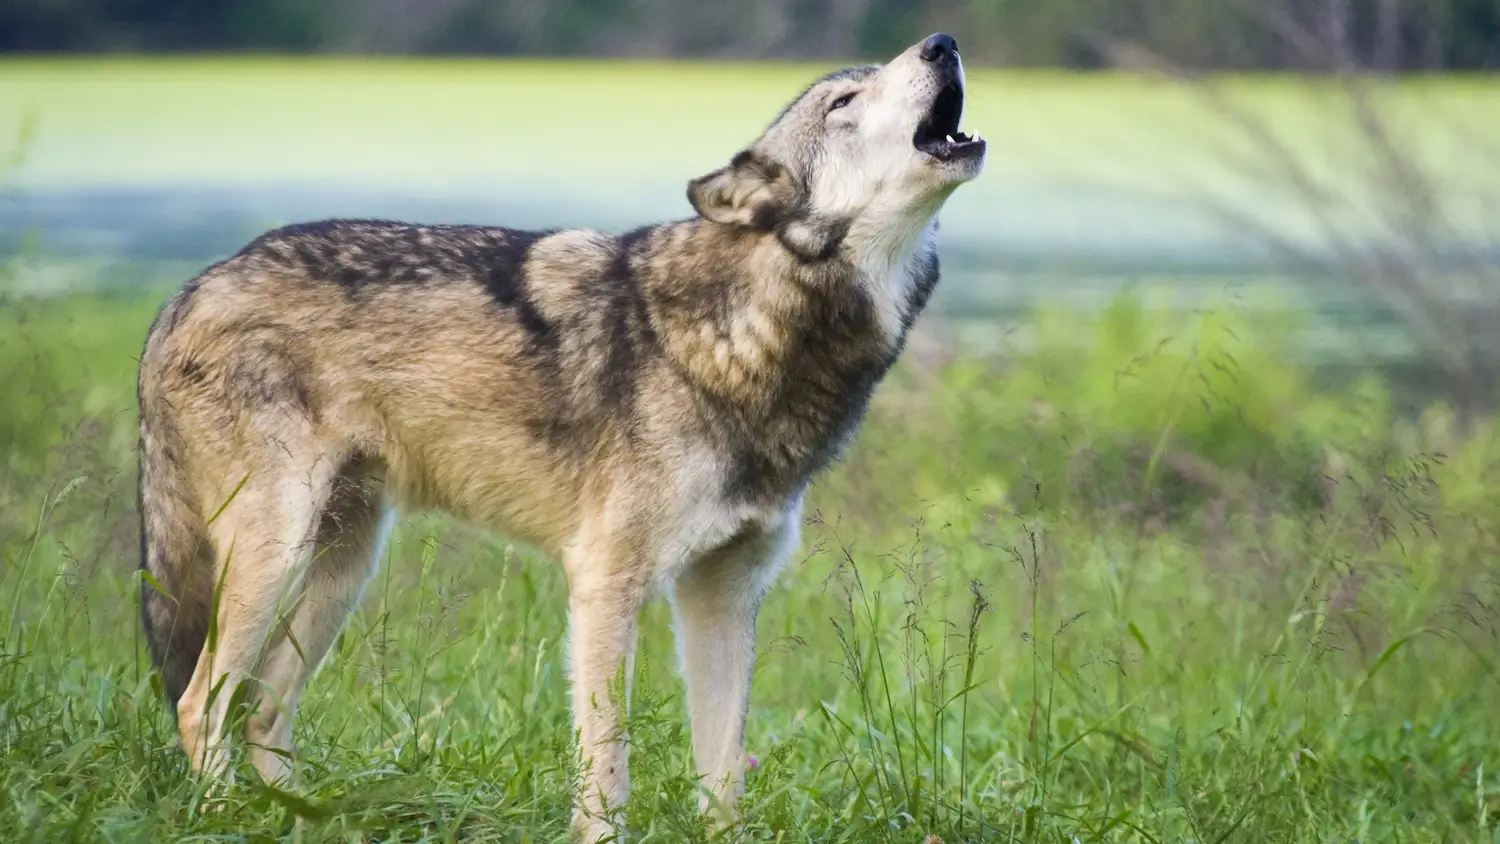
(1145, 569)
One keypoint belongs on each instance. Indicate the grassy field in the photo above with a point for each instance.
(1152, 589)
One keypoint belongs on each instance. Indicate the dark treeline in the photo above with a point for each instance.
(1204, 34)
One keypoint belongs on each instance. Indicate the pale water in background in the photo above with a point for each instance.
(137, 172)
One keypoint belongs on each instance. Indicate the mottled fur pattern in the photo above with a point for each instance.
(647, 407)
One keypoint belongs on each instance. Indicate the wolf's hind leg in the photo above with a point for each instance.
(263, 542)
(350, 538)
(715, 602)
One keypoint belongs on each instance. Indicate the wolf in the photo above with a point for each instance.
(648, 408)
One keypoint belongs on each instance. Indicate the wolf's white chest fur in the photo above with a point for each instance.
(887, 262)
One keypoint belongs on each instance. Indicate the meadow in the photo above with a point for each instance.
(1133, 572)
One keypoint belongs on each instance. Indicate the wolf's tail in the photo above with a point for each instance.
(176, 564)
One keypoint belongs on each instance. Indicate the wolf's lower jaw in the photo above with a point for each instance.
(953, 146)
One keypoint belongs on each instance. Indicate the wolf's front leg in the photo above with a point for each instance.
(602, 628)
(715, 602)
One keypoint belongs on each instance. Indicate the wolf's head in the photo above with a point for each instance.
(865, 152)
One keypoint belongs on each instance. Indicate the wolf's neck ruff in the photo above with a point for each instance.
(784, 353)
(780, 306)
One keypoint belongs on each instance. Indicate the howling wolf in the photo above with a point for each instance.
(648, 408)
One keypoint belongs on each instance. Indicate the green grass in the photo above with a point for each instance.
(1150, 588)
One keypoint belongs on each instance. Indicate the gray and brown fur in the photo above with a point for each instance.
(647, 407)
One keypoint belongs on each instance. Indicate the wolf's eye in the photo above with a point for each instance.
(840, 102)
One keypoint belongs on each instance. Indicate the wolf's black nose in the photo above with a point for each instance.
(939, 47)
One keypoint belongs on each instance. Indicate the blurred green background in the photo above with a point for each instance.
(140, 170)
(1289, 144)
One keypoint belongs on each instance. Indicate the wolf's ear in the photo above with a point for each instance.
(752, 191)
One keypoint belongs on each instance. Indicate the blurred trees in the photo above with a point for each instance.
(1250, 34)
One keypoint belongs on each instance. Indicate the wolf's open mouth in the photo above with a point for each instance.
(938, 135)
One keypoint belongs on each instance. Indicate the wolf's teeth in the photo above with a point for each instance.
(950, 140)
